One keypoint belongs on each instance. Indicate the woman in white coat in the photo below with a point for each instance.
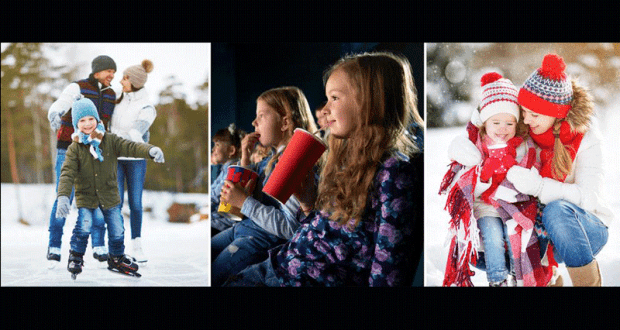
(132, 118)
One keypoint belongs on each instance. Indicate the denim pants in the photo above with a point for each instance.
(57, 224)
(134, 172)
(114, 220)
(236, 248)
(497, 259)
(260, 274)
(577, 234)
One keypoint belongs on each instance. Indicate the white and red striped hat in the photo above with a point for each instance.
(499, 95)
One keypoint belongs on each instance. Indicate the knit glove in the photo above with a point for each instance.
(526, 181)
(62, 207)
(157, 154)
(463, 151)
(55, 123)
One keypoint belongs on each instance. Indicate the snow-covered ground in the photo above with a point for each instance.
(436, 220)
(178, 253)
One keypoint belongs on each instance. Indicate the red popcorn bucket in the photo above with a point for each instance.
(236, 174)
(300, 155)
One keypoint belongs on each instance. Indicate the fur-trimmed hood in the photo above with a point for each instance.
(582, 108)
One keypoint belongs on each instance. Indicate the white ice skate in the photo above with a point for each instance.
(137, 253)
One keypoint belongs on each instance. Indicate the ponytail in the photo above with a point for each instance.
(562, 161)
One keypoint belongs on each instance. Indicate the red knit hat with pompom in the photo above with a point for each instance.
(499, 95)
(548, 91)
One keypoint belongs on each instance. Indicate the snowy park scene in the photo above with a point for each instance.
(453, 92)
(125, 116)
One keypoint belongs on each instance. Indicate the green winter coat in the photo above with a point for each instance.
(96, 182)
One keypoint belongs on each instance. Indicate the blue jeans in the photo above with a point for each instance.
(260, 274)
(57, 224)
(236, 248)
(132, 171)
(577, 234)
(114, 220)
(497, 259)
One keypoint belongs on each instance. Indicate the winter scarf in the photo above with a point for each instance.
(532, 268)
(93, 140)
(546, 142)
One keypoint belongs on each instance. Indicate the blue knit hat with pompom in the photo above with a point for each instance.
(82, 108)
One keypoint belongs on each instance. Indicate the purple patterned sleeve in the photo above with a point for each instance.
(394, 217)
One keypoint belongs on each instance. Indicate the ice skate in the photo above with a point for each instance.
(100, 253)
(123, 265)
(137, 253)
(53, 257)
(76, 262)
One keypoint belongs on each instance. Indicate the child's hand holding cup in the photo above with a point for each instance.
(239, 184)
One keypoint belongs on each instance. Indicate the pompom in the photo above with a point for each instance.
(553, 67)
(147, 65)
(489, 78)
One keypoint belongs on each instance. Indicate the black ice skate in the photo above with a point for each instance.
(101, 257)
(53, 257)
(123, 265)
(76, 262)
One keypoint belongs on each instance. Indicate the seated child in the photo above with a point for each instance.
(91, 164)
(279, 111)
(502, 216)
(226, 151)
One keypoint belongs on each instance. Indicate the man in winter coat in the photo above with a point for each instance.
(96, 88)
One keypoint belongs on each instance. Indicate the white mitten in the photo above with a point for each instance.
(526, 181)
(464, 151)
(55, 122)
(157, 154)
(62, 207)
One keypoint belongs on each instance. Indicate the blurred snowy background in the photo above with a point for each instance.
(453, 92)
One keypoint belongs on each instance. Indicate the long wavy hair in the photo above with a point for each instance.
(578, 117)
(289, 101)
(385, 93)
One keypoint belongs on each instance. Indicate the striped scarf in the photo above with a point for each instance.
(532, 268)
(93, 140)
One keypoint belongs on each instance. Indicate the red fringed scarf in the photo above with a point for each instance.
(546, 143)
(519, 217)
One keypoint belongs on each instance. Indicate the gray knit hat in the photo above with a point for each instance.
(103, 62)
(138, 73)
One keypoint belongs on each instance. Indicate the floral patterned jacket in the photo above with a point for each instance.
(378, 252)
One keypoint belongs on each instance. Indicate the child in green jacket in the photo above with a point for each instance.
(91, 163)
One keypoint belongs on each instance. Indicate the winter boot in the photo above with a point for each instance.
(588, 275)
(100, 253)
(76, 262)
(511, 280)
(137, 250)
(501, 284)
(124, 265)
(556, 279)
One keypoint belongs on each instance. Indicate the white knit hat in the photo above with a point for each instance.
(499, 95)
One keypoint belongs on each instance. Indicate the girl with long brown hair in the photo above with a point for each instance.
(358, 225)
